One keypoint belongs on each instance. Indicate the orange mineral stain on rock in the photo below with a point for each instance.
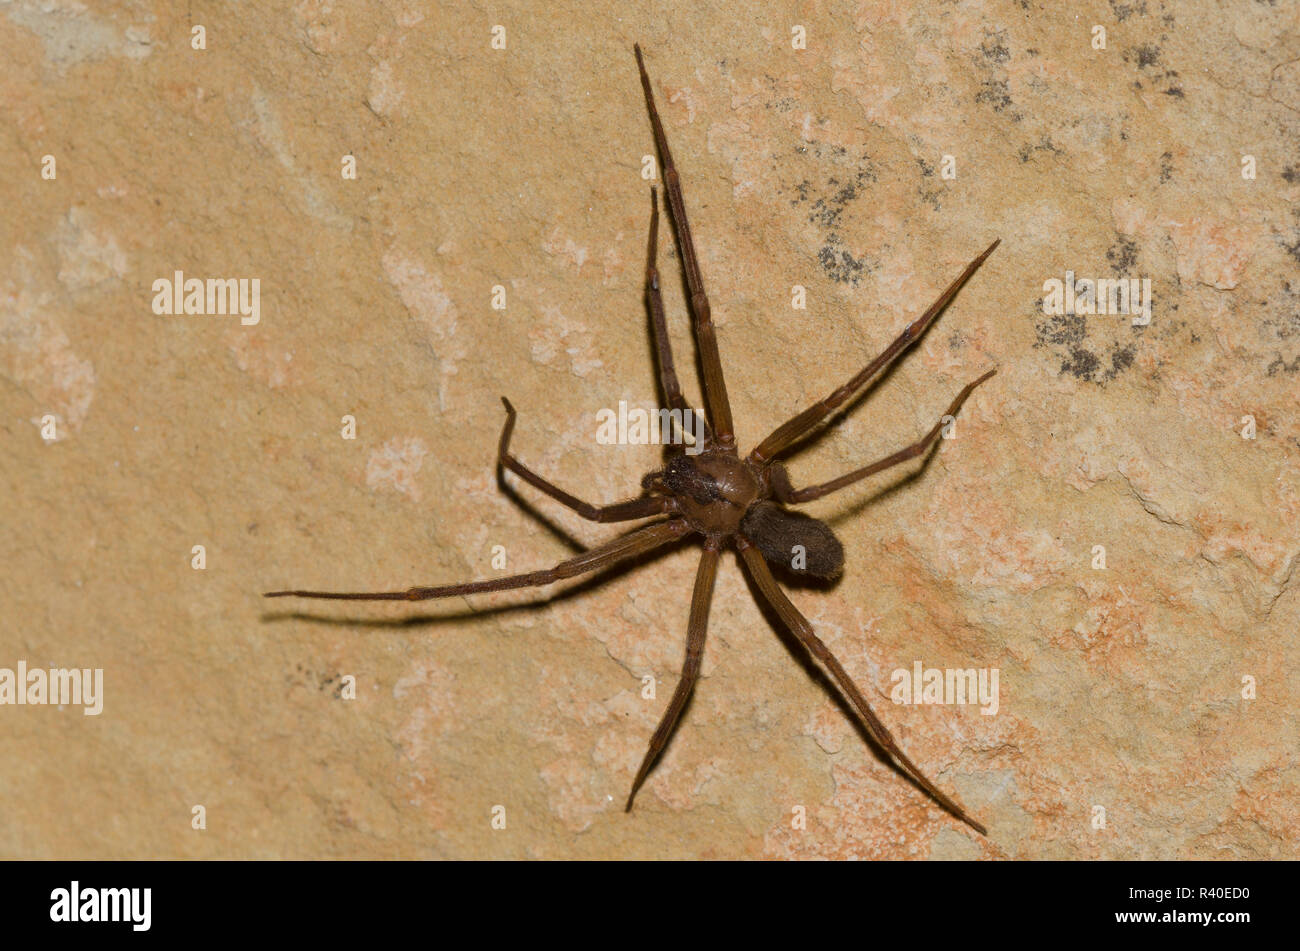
(1212, 252)
(1214, 245)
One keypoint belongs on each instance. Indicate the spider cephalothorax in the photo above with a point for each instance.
(713, 492)
(721, 495)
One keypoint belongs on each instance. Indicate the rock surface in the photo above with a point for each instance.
(1145, 709)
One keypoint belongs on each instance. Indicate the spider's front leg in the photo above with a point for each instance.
(799, 426)
(617, 512)
(785, 492)
(669, 385)
(706, 338)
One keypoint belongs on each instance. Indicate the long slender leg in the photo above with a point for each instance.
(644, 539)
(617, 512)
(672, 389)
(715, 388)
(803, 630)
(785, 493)
(788, 432)
(699, 623)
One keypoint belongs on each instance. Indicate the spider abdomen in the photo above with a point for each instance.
(793, 540)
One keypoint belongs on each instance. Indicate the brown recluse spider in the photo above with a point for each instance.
(718, 495)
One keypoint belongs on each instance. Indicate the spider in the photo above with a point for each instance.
(716, 494)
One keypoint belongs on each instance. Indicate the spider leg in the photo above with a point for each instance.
(793, 429)
(785, 493)
(699, 622)
(715, 388)
(617, 512)
(802, 629)
(642, 540)
(668, 383)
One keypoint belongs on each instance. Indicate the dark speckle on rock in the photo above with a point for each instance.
(1123, 11)
(1148, 54)
(1281, 366)
(994, 48)
(1279, 328)
(1121, 359)
(839, 265)
(1081, 363)
(1122, 255)
(826, 215)
(1147, 58)
(1062, 329)
(1067, 336)
(996, 92)
(849, 182)
(1045, 144)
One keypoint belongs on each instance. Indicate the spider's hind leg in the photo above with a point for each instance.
(642, 541)
(803, 630)
(700, 601)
